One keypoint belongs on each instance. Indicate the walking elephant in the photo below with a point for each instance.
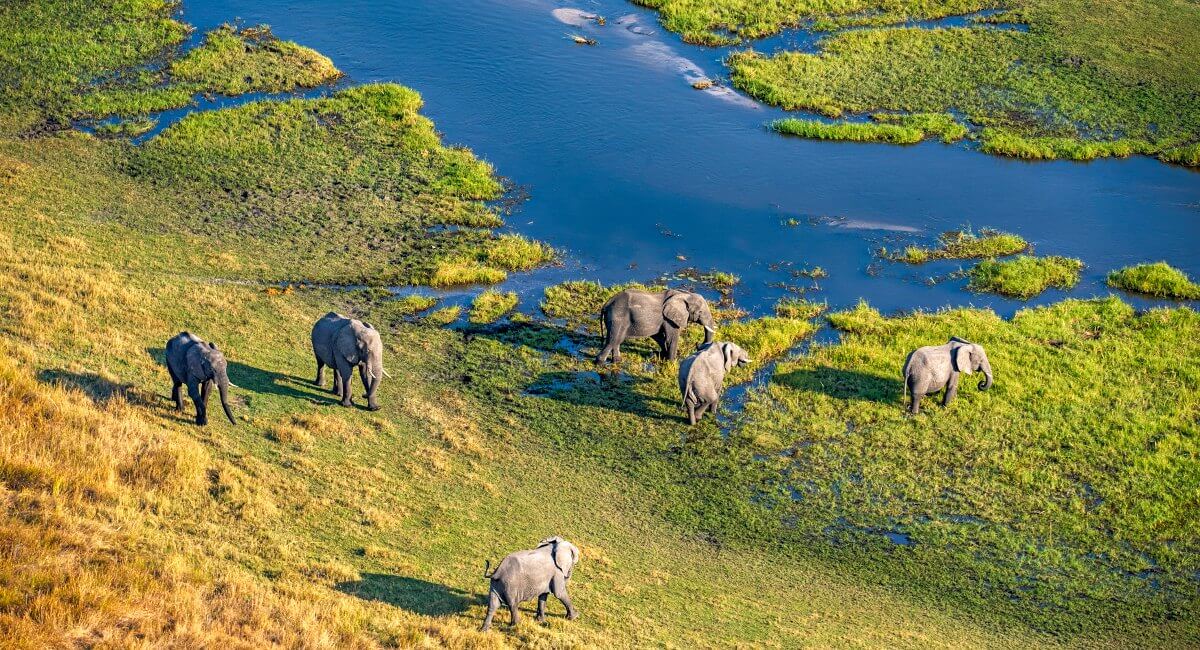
(702, 377)
(936, 367)
(197, 364)
(344, 343)
(659, 315)
(537, 572)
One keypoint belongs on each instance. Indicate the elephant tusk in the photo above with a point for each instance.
(233, 385)
(387, 374)
(709, 329)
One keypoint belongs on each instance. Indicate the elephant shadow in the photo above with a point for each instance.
(842, 384)
(100, 389)
(412, 594)
(247, 378)
(616, 391)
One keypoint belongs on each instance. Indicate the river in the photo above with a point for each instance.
(632, 173)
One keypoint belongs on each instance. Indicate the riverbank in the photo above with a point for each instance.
(1039, 79)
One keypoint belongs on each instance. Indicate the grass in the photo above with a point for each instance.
(800, 308)
(130, 128)
(489, 306)
(1069, 484)
(1024, 276)
(1158, 279)
(848, 131)
(963, 245)
(1077, 85)
(887, 127)
(234, 61)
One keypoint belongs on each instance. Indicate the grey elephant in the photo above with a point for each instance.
(659, 315)
(198, 364)
(702, 377)
(936, 367)
(536, 572)
(344, 343)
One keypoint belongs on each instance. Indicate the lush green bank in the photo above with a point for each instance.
(1081, 83)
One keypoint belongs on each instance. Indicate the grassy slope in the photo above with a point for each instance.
(308, 522)
(1080, 84)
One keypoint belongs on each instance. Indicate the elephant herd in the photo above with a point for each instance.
(340, 342)
(345, 344)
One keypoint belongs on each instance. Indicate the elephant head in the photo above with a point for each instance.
(733, 355)
(208, 363)
(360, 345)
(683, 307)
(970, 357)
(564, 554)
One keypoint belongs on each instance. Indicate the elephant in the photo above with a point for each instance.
(199, 364)
(659, 315)
(342, 343)
(702, 377)
(536, 572)
(936, 367)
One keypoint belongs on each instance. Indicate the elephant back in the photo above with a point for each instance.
(323, 333)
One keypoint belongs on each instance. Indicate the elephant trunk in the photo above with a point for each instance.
(710, 327)
(223, 388)
(374, 376)
(986, 382)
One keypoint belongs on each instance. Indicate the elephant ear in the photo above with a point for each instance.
(675, 310)
(564, 554)
(962, 359)
(730, 355)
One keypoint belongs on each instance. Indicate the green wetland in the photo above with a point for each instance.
(240, 182)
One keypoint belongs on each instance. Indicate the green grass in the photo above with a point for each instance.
(1158, 279)
(234, 61)
(799, 308)
(887, 127)
(1065, 492)
(1004, 142)
(720, 22)
(489, 306)
(848, 131)
(1079, 84)
(962, 245)
(130, 128)
(1024, 276)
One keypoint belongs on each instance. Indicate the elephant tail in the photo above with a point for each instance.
(487, 572)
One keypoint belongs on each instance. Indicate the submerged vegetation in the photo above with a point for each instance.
(963, 245)
(1077, 84)
(1158, 279)
(1024, 276)
(490, 305)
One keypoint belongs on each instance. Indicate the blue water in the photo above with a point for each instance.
(615, 147)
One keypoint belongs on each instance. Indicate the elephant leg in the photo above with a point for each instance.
(493, 605)
(541, 610)
(951, 390)
(320, 373)
(691, 409)
(559, 587)
(198, 401)
(915, 406)
(362, 374)
(612, 344)
(515, 608)
(670, 343)
(176, 394)
(345, 375)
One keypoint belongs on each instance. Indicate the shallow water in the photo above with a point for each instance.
(616, 149)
